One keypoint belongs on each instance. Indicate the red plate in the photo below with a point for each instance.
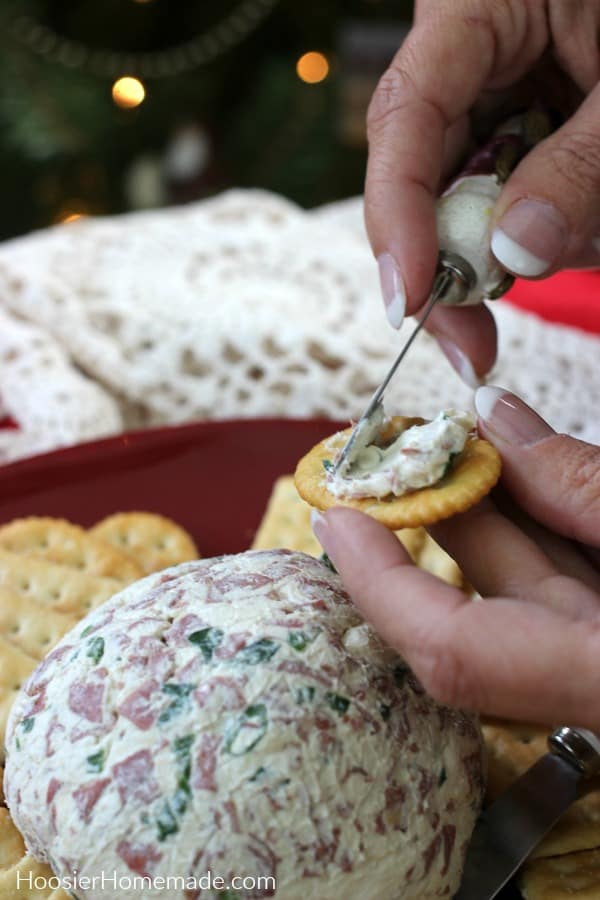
(212, 478)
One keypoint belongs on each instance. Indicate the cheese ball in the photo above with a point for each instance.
(235, 716)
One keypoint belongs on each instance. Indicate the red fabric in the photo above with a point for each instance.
(570, 298)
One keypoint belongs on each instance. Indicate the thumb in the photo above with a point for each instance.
(548, 215)
(555, 478)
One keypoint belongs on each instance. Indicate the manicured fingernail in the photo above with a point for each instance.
(460, 362)
(530, 237)
(509, 418)
(392, 288)
(317, 520)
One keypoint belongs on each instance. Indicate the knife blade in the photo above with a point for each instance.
(511, 827)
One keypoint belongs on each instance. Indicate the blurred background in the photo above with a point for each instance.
(130, 104)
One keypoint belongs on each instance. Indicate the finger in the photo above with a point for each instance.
(555, 478)
(432, 82)
(467, 336)
(468, 654)
(569, 557)
(499, 558)
(549, 210)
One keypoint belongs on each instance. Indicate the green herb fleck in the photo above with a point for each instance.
(180, 693)
(259, 651)
(385, 710)
(227, 894)
(443, 777)
(27, 724)
(336, 702)
(327, 562)
(245, 732)
(95, 762)
(86, 631)
(95, 648)
(305, 694)
(258, 774)
(400, 675)
(207, 639)
(449, 464)
(166, 822)
(300, 640)
(327, 465)
(17, 743)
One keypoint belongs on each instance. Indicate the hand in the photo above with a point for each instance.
(460, 56)
(530, 649)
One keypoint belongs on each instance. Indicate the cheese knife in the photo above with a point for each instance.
(467, 273)
(511, 827)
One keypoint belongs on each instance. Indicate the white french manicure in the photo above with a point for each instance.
(460, 362)
(514, 257)
(392, 289)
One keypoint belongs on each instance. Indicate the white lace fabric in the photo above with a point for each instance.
(240, 306)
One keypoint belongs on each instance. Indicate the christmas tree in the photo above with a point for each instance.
(120, 104)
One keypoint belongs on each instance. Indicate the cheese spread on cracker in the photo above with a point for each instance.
(418, 457)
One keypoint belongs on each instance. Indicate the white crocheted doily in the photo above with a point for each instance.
(243, 305)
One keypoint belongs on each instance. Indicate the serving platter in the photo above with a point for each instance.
(212, 478)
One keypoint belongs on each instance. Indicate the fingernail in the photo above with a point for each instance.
(460, 362)
(509, 418)
(318, 523)
(392, 288)
(530, 237)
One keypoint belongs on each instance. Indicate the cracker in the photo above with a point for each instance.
(563, 877)
(29, 626)
(12, 847)
(70, 545)
(54, 586)
(154, 541)
(512, 748)
(474, 473)
(15, 668)
(286, 522)
(18, 869)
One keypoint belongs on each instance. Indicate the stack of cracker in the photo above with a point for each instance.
(566, 865)
(52, 573)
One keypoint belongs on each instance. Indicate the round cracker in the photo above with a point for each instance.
(154, 541)
(474, 473)
(69, 545)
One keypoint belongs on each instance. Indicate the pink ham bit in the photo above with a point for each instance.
(86, 697)
(152, 657)
(177, 635)
(135, 778)
(449, 837)
(231, 645)
(54, 726)
(137, 707)
(88, 795)
(53, 786)
(140, 858)
(206, 763)
(237, 581)
(223, 691)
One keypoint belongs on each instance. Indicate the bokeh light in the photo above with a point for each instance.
(312, 67)
(128, 92)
